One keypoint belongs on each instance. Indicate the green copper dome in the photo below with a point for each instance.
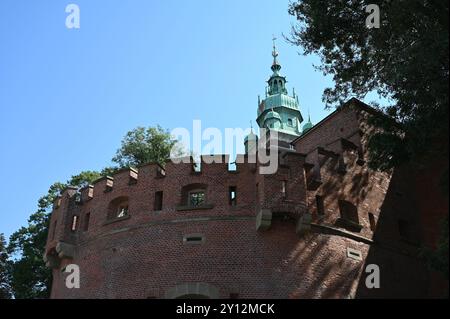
(250, 142)
(279, 111)
(251, 137)
(308, 125)
(279, 100)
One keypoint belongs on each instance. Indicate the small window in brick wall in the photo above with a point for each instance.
(283, 189)
(54, 229)
(354, 254)
(372, 221)
(158, 201)
(194, 239)
(87, 218)
(320, 206)
(349, 212)
(118, 208)
(194, 195)
(196, 198)
(232, 195)
(122, 210)
(74, 225)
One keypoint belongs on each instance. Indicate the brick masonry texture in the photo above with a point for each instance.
(146, 255)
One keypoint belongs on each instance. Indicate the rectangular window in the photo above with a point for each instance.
(87, 217)
(232, 195)
(354, 254)
(158, 200)
(122, 210)
(74, 223)
(118, 208)
(372, 221)
(194, 239)
(320, 205)
(283, 189)
(196, 198)
(348, 211)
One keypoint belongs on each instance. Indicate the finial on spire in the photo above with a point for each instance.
(251, 126)
(274, 52)
(276, 67)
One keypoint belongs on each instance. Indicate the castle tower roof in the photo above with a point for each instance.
(308, 125)
(279, 111)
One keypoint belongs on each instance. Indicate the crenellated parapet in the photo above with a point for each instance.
(178, 189)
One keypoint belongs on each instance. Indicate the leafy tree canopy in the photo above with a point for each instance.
(146, 145)
(406, 59)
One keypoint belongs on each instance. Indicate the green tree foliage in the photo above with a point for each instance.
(84, 178)
(146, 145)
(30, 278)
(406, 59)
(5, 288)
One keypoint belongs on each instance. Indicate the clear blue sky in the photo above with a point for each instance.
(67, 97)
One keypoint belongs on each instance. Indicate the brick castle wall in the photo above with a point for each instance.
(270, 244)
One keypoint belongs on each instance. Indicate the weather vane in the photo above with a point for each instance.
(274, 53)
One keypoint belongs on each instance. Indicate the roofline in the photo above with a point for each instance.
(352, 101)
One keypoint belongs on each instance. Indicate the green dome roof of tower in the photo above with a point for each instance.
(308, 125)
(251, 137)
(279, 111)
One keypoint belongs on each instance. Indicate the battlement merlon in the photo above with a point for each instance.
(130, 176)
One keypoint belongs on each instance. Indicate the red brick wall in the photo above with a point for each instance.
(145, 255)
(364, 188)
(406, 195)
(149, 260)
